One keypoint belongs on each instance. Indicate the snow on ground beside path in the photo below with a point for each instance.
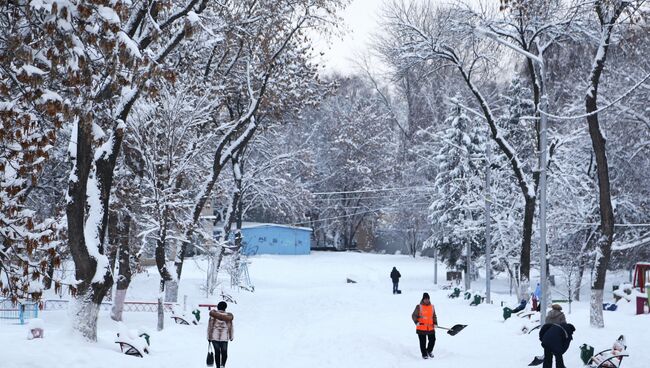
(303, 313)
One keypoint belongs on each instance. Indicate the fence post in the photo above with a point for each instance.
(21, 313)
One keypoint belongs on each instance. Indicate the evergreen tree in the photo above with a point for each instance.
(456, 212)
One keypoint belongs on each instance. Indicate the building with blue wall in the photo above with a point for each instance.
(260, 238)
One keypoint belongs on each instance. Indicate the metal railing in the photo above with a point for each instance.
(20, 311)
(133, 306)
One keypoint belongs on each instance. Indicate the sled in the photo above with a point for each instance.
(454, 329)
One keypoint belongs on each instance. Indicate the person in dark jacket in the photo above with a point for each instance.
(555, 340)
(395, 275)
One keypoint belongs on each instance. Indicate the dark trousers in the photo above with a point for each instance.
(425, 348)
(220, 353)
(395, 283)
(548, 359)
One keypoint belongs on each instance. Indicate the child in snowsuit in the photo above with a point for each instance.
(555, 340)
(220, 331)
(425, 320)
(395, 275)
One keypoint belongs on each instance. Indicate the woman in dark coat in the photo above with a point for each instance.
(555, 340)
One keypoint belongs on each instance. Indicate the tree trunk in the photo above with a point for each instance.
(161, 309)
(113, 244)
(527, 231)
(527, 191)
(124, 264)
(113, 239)
(93, 284)
(47, 281)
(607, 21)
(582, 263)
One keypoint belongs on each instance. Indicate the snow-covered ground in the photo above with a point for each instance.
(304, 314)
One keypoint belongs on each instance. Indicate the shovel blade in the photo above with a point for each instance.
(537, 361)
(455, 329)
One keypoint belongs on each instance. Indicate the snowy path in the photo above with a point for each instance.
(303, 313)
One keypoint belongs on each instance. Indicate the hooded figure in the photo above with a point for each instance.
(395, 275)
(555, 340)
(425, 320)
(556, 315)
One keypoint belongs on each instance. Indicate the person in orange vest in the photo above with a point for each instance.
(425, 320)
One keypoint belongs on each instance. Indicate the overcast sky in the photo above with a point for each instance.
(361, 21)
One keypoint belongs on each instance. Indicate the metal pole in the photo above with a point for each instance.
(435, 265)
(468, 268)
(542, 199)
(488, 245)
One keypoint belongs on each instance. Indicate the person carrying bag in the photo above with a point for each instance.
(220, 331)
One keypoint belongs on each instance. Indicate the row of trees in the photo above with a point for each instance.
(118, 120)
(122, 121)
(583, 46)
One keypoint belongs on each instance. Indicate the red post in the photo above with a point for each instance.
(640, 304)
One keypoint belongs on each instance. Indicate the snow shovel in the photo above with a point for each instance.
(454, 329)
(537, 361)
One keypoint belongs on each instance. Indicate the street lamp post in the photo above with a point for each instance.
(542, 190)
(488, 200)
(543, 107)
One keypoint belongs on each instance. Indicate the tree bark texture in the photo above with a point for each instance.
(598, 141)
(124, 266)
(89, 295)
(527, 192)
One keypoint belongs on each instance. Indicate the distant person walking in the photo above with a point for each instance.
(220, 331)
(536, 297)
(395, 275)
(555, 340)
(425, 320)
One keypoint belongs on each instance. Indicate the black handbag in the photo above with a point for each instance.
(209, 360)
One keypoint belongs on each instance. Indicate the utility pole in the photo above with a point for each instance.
(468, 267)
(542, 188)
(542, 110)
(435, 265)
(488, 203)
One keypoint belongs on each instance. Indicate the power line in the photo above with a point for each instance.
(351, 215)
(379, 190)
(598, 224)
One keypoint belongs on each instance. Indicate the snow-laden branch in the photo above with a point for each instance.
(495, 37)
(616, 101)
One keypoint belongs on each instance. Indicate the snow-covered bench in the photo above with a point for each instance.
(609, 358)
(184, 319)
(454, 294)
(132, 343)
